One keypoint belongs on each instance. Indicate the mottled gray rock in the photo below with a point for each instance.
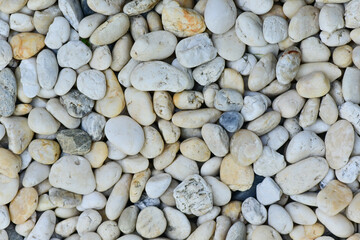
(64, 199)
(7, 92)
(228, 100)
(94, 124)
(74, 141)
(145, 201)
(77, 104)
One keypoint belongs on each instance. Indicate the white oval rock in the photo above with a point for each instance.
(253, 211)
(301, 214)
(304, 23)
(279, 219)
(74, 54)
(178, 226)
(275, 29)
(58, 34)
(288, 65)
(226, 42)
(157, 185)
(249, 29)
(220, 16)
(92, 84)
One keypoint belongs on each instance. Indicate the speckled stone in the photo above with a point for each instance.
(74, 141)
(7, 92)
(77, 104)
(232, 121)
(94, 124)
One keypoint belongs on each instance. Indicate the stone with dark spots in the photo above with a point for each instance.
(241, 196)
(145, 201)
(7, 92)
(94, 124)
(77, 104)
(74, 141)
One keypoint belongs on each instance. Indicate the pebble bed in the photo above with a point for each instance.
(186, 119)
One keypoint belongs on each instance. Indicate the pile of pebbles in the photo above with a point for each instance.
(179, 119)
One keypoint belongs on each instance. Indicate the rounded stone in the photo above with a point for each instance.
(178, 224)
(74, 141)
(42, 122)
(151, 222)
(23, 205)
(74, 54)
(195, 149)
(26, 45)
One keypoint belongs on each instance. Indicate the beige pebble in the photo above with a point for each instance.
(151, 222)
(9, 188)
(137, 184)
(230, 78)
(163, 105)
(107, 175)
(294, 179)
(138, 26)
(304, 23)
(44, 151)
(262, 73)
(313, 85)
(301, 214)
(265, 123)
(269, 163)
(154, 145)
(353, 210)
(339, 142)
(169, 131)
(182, 167)
(328, 111)
(154, 21)
(195, 149)
(23, 205)
(167, 156)
(97, 155)
(350, 82)
(291, 7)
(246, 147)
(338, 225)
(331, 71)
(221, 192)
(313, 50)
(342, 56)
(134, 163)
(265, 232)
(182, 22)
(195, 118)
(121, 52)
(188, 100)
(275, 88)
(335, 197)
(26, 45)
(308, 231)
(178, 224)
(168, 197)
(289, 104)
(216, 138)
(127, 220)
(22, 109)
(234, 175)
(10, 163)
(42, 122)
(310, 112)
(355, 35)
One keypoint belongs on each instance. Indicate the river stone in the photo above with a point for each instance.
(5, 54)
(64, 199)
(226, 43)
(74, 141)
(269, 163)
(304, 24)
(74, 174)
(23, 205)
(134, 7)
(178, 226)
(249, 29)
(196, 118)
(253, 211)
(194, 196)
(231, 121)
(10, 163)
(47, 69)
(216, 138)
(209, 72)
(72, 12)
(199, 45)
(339, 142)
(28, 77)
(275, 29)
(9, 188)
(151, 222)
(77, 104)
(280, 219)
(26, 45)
(265, 232)
(94, 124)
(288, 65)
(92, 84)
(58, 34)
(294, 179)
(164, 77)
(129, 138)
(8, 92)
(74, 54)
(220, 16)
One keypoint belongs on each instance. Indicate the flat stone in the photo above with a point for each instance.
(28, 77)
(194, 196)
(77, 104)
(44, 227)
(74, 141)
(42, 122)
(157, 185)
(182, 167)
(8, 90)
(74, 174)
(268, 192)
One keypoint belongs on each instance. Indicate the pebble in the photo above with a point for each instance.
(89, 23)
(127, 220)
(65, 81)
(12, 6)
(114, 97)
(301, 214)
(209, 72)
(138, 184)
(337, 38)
(265, 123)
(42, 122)
(5, 54)
(94, 124)
(352, 211)
(89, 80)
(331, 71)
(294, 180)
(167, 156)
(111, 30)
(196, 118)
(280, 219)
(74, 141)
(118, 198)
(181, 21)
(23, 205)
(231, 79)
(228, 100)
(244, 65)
(220, 16)
(72, 12)
(178, 226)
(138, 26)
(289, 104)
(265, 232)
(216, 139)
(169, 131)
(18, 132)
(74, 54)
(338, 225)
(246, 147)
(288, 65)
(249, 29)
(199, 45)
(255, 104)
(35, 174)
(65, 199)
(269, 163)
(194, 196)
(104, 7)
(157, 185)
(28, 78)
(328, 111)
(188, 100)
(351, 20)
(165, 77)
(107, 175)
(98, 154)
(134, 8)
(43, 19)
(226, 42)
(58, 34)
(300, 148)
(108, 230)
(26, 45)
(338, 157)
(221, 192)
(234, 175)
(195, 149)
(253, 211)
(7, 93)
(304, 23)
(74, 174)
(134, 164)
(275, 29)
(44, 227)
(231, 121)
(237, 231)
(268, 192)
(331, 17)
(88, 221)
(54, 107)
(66, 227)
(10, 188)
(151, 222)
(262, 73)
(181, 168)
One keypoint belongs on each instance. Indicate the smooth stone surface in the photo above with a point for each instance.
(35, 174)
(134, 163)
(6, 54)
(279, 219)
(105, 7)
(107, 175)
(65, 81)
(295, 180)
(151, 222)
(28, 77)
(58, 34)
(178, 226)
(138, 184)
(301, 214)
(23, 205)
(94, 124)
(194, 196)
(220, 16)
(120, 136)
(287, 108)
(44, 227)
(92, 84)
(182, 167)
(338, 225)
(195, 149)
(195, 118)
(26, 45)
(216, 139)
(157, 185)
(42, 122)
(74, 141)
(275, 29)
(88, 221)
(226, 42)
(10, 188)
(221, 192)
(249, 29)
(262, 73)
(231, 121)
(60, 113)
(164, 77)
(64, 199)
(209, 72)
(74, 174)
(269, 163)
(127, 220)
(74, 54)
(77, 104)
(288, 65)
(228, 100)
(304, 23)
(352, 211)
(265, 232)
(313, 85)
(268, 192)
(135, 8)
(253, 211)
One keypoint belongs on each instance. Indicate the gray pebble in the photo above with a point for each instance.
(228, 100)
(94, 124)
(7, 92)
(77, 104)
(74, 141)
(145, 201)
(232, 121)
